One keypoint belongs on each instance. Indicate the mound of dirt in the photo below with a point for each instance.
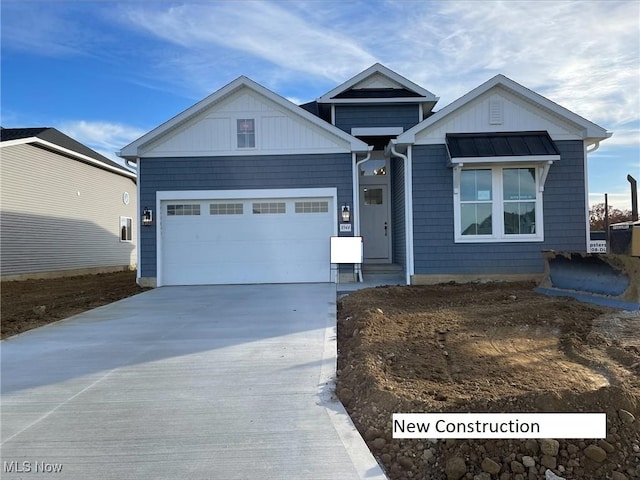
(496, 347)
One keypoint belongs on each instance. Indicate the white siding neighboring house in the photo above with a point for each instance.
(65, 209)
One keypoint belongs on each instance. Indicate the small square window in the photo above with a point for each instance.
(373, 196)
(126, 225)
(246, 131)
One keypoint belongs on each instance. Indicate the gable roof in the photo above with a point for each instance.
(397, 89)
(133, 150)
(591, 132)
(51, 139)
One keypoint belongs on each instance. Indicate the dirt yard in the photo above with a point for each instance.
(490, 348)
(29, 304)
(447, 348)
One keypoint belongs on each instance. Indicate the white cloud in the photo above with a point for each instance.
(582, 55)
(106, 138)
(220, 33)
(619, 199)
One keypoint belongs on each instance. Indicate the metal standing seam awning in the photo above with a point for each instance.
(507, 147)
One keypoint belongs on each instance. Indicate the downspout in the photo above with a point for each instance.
(408, 208)
(595, 147)
(356, 199)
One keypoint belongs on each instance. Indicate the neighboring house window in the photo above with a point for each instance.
(498, 204)
(246, 130)
(126, 224)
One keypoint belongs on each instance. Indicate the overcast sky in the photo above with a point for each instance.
(107, 72)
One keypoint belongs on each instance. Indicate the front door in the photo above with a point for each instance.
(375, 226)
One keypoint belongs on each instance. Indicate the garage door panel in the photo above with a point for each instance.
(230, 243)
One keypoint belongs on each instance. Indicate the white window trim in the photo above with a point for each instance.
(255, 133)
(129, 228)
(497, 213)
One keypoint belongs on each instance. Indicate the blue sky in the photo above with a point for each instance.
(107, 72)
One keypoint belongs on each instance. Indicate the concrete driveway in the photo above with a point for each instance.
(207, 382)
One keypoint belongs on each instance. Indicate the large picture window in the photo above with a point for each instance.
(498, 204)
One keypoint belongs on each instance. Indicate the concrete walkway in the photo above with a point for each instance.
(226, 382)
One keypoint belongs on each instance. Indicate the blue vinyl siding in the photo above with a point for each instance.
(235, 173)
(361, 116)
(434, 249)
(398, 213)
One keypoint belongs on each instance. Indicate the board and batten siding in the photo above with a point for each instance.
(235, 173)
(214, 131)
(436, 253)
(59, 214)
(366, 116)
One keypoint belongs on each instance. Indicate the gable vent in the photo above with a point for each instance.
(495, 112)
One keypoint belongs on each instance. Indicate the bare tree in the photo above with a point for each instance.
(596, 216)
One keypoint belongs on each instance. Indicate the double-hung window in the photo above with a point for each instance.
(498, 204)
(246, 132)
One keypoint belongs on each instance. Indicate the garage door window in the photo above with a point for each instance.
(225, 209)
(312, 207)
(183, 209)
(269, 207)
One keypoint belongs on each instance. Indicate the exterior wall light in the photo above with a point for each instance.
(346, 213)
(147, 216)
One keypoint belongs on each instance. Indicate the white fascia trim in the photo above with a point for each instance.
(505, 159)
(589, 129)
(374, 131)
(133, 150)
(165, 195)
(67, 152)
(381, 69)
(17, 141)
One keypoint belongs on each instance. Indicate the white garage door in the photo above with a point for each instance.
(233, 241)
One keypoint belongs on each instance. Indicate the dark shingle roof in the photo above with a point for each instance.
(378, 93)
(17, 133)
(56, 137)
(513, 144)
